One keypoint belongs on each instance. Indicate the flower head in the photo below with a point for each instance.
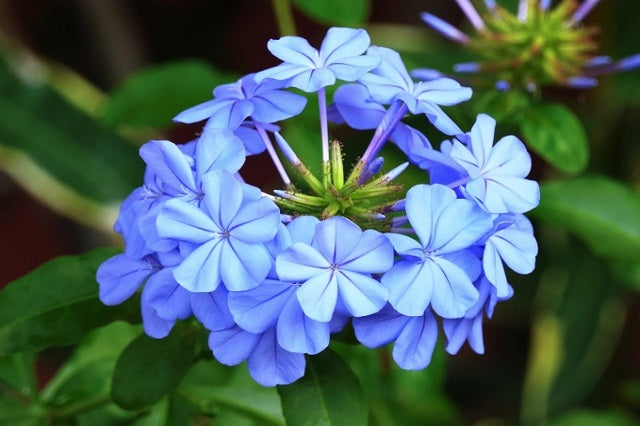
(536, 46)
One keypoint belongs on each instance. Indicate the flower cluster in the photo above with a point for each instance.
(536, 46)
(273, 276)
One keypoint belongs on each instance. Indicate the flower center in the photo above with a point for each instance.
(544, 48)
(364, 198)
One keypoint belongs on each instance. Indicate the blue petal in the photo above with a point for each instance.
(504, 194)
(460, 330)
(482, 134)
(198, 113)
(343, 43)
(460, 225)
(336, 238)
(351, 69)
(392, 75)
(318, 296)
(300, 262)
(293, 50)
(253, 143)
(276, 105)
(439, 119)
(230, 115)
(149, 230)
(245, 265)
(185, 222)
(442, 91)
(218, 149)
(508, 157)
(222, 196)
(271, 365)
(165, 295)
(424, 205)
(256, 221)
(153, 325)
(410, 284)
(298, 333)
(372, 254)
(410, 140)
(361, 294)
(405, 246)
(453, 292)
(302, 229)
(169, 164)
(200, 271)
(313, 80)
(211, 309)
(284, 71)
(414, 347)
(494, 270)
(232, 346)
(258, 309)
(379, 329)
(120, 277)
(356, 108)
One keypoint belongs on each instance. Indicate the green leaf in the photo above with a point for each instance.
(87, 373)
(602, 211)
(148, 369)
(349, 13)
(57, 304)
(71, 147)
(556, 134)
(172, 410)
(328, 394)
(217, 389)
(152, 97)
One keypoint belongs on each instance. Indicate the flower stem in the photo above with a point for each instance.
(284, 17)
(272, 153)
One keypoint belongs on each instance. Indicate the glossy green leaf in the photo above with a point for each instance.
(556, 134)
(148, 369)
(170, 411)
(335, 12)
(217, 389)
(328, 394)
(66, 143)
(604, 212)
(153, 96)
(57, 304)
(87, 373)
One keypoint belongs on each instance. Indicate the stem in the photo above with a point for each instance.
(78, 407)
(272, 153)
(324, 131)
(284, 17)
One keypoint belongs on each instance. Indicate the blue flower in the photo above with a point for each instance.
(340, 260)
(469, 328)
(269, 364)
(340, 57)
(226, 238)
(390, 82)
(513, 243)
(415, 337)
(496, 173)
(264, 102)
(436, 270)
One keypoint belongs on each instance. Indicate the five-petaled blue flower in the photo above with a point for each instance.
(225, 240)
(339, 261)
(340, 57)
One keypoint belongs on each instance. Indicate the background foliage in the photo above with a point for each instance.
(84, 82)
